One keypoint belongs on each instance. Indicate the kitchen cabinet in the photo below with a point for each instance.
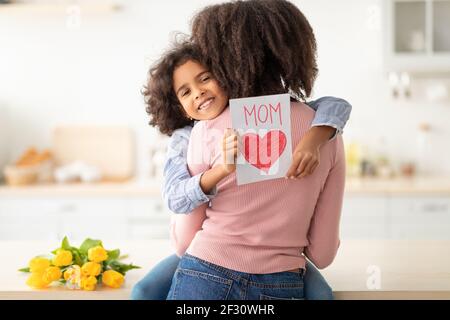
(51, 218)
(408, 209)
(365, 217)
(416, 35)
(418, 217)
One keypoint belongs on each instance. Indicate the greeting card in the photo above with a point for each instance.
(264, 127)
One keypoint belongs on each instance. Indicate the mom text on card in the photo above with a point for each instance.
(262, 114)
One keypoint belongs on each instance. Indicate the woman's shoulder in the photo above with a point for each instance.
(301, 109)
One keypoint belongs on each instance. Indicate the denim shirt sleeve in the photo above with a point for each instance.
(332, 112)
(181, 192)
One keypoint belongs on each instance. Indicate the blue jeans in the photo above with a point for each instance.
(197, 279)
(156, 284)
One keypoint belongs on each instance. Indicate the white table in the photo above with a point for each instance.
(15, 255)
(363, 269)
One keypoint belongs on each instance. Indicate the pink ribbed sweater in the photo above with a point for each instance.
(264, 227)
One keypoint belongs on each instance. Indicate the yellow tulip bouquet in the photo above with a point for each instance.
(78, 268)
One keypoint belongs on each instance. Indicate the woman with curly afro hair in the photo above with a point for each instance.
(248, 48)
(258, 47)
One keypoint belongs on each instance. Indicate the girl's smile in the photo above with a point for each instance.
(204, 106)
(198, 92)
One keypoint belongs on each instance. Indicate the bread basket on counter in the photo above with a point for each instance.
(32, 167)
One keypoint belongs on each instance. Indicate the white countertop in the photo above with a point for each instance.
(399, 186)
(407, 269)
(152, 188)
(130, 188)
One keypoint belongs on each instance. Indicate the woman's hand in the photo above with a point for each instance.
(306, 156)
(229, 150)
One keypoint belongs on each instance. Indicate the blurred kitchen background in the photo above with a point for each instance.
(78, 157)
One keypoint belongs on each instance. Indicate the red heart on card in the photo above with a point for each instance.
(263, 152)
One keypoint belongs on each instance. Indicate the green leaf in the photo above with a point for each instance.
(78, 257)
(25, 270)
(65, 244)
(64, 269)
(122, 267)
(89, 243)
(113, 254)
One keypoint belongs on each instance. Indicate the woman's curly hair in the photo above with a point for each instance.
(162, 105)
(257, 47)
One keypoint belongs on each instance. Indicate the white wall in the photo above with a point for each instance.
(350, 39)
(4, 138)
(51, 74)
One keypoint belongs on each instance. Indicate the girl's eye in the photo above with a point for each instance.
(205, 79)
(184, 93)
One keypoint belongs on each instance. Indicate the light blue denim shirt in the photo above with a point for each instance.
(182, 193)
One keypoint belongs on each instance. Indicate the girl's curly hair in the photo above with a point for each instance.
(257, 47)
(162, 105)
